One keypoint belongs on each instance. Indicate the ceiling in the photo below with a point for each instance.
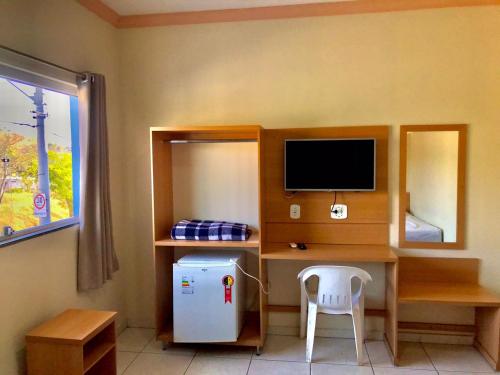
(134, 7)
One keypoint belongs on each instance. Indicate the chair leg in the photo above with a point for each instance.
(362, 317)
(303, 314)
(311, 328)
(358, 333)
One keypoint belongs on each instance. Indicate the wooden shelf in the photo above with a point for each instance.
(334, 253)
(249, 336)
(460, 294)
(95, 354)
(252, 242)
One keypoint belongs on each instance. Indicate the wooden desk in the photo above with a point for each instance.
(459, 294)
(331, 253)
(349, 254)
(74, 342)
(453, 281)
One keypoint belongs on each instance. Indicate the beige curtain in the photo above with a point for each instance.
(97, 259)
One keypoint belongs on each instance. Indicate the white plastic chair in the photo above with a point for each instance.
(335, 296)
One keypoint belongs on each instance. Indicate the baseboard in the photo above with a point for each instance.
(323, 332)
(121, 325)
(432, 338)
(436, 338)
(460, 334)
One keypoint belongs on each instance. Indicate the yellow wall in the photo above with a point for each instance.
(418, 67)
(431, 179)
(38, 276)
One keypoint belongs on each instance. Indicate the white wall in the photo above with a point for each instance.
(417, 67)
(431, 179)
(38, 276)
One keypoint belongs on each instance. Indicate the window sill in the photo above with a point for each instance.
(27, 234)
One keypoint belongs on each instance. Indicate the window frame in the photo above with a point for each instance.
(25, 70)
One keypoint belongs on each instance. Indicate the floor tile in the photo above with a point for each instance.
(203, 365)
(158, 364)
(402, 371)
(411, 355)
(134, 339)
(329, 369)
(226, 351)
(176, 349)
(278, 368)
(283, 348)
(123, 360)
(378, 353)
(338, 351)
(456, 358)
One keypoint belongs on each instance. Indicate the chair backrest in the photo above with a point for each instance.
(334, 286)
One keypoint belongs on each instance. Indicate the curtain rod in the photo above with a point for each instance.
(80, 74)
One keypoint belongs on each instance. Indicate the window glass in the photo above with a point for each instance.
(39, 157)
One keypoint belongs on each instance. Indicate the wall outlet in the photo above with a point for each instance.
(338, 211)
(295, 211)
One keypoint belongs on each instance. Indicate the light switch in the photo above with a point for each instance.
(295, 211)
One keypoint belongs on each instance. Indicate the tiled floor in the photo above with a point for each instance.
(140, 354)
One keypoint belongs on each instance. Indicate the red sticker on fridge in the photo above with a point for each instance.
(227, 282)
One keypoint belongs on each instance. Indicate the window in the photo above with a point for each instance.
(39, 153)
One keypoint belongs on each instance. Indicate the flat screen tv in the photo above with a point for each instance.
(330, 164)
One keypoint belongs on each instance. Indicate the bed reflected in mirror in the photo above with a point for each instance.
(432, 186)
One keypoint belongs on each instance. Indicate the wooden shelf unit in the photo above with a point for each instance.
(252, 242)
(253, 332)
(249, 336)
(74, 342)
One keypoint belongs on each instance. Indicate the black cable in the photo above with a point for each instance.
(334, 197)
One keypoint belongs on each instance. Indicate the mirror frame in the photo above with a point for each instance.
(459, 244)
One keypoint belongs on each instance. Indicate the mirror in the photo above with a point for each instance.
(432, 184)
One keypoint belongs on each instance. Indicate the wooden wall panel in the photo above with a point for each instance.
(161, 180)
(449, 270)
(391, 307)
(315, 207)
(336, 234)
(164, 258)
(368, 212)
(488, 334)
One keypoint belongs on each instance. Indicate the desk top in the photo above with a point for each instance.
(334, 253)
(72, 326)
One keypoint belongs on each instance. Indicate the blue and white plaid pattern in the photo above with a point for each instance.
(207, 230)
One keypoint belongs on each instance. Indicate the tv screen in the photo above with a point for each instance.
(330, 164)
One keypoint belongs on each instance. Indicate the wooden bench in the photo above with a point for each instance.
(453, 281)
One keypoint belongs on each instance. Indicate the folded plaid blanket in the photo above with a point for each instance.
(207, 230)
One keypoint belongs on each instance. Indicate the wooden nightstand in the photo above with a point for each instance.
(75, 342)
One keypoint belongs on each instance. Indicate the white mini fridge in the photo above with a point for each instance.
(209, 297)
